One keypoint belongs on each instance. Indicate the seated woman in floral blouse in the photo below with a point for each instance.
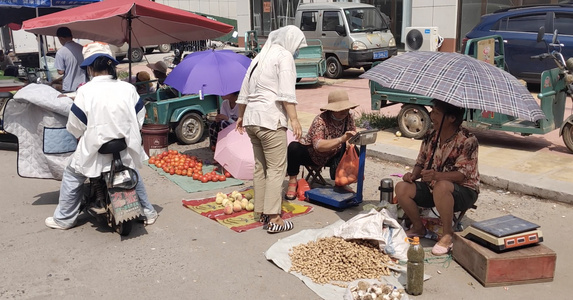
(326, 137)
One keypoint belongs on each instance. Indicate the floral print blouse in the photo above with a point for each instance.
(458, 153)
(324, 127)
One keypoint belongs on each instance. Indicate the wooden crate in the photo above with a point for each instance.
(527, 265)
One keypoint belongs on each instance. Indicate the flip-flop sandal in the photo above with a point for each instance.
(291, 195)
(439, 250)
(275, 228)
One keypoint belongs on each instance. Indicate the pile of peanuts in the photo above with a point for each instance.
(335, 259)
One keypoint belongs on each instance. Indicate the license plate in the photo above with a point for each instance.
(380, 54)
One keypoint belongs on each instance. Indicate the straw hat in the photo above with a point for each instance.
(94, 50)
(158, 66)
(338, 101)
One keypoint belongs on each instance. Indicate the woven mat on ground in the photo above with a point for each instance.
(192, 186)
(243, 220)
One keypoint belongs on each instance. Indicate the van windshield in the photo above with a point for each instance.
(365, 19)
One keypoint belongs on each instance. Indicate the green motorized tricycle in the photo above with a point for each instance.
(414, 119)
(186, 115)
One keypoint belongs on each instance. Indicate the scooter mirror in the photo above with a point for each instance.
(540, 34)
(555, 39)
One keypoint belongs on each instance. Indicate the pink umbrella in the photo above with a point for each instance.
(234, 152)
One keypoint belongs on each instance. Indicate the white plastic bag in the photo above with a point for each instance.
(378, 226)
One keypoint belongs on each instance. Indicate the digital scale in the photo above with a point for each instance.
(504, 233)
(339, 197)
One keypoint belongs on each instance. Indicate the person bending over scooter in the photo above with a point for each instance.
(104, 109)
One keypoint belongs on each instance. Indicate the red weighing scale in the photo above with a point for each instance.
(336, 196)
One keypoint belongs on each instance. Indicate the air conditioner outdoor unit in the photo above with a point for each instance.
(422, 38)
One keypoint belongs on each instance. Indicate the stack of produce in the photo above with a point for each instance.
(235, 202)
(333, 260)
(175, 163)
(367, 291)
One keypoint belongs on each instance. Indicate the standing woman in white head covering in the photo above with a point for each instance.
(266, 99)
(104, 109)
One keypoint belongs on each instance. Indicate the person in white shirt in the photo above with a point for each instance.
(267, 97)
(227, 115)
(104, 109)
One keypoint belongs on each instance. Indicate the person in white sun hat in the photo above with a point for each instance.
(104, 109)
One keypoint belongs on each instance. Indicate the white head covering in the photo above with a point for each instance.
(288, 37)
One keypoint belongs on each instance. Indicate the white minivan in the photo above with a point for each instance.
(353, 35)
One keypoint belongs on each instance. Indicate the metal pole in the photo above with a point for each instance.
(362, 161)
(129, 17)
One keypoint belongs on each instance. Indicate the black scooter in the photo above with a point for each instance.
(112, 198)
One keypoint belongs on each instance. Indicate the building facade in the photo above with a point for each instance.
(454, 18)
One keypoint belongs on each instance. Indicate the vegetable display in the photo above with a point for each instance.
(175, 163)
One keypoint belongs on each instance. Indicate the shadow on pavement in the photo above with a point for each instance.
(49, 198)
(507, 140)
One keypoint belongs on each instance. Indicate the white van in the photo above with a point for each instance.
(353, 35)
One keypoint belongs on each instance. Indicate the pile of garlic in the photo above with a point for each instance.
(367, 291)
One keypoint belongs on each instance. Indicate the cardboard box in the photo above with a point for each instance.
(526, 265)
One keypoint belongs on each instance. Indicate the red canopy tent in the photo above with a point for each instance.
(137, 22)
(111, 21)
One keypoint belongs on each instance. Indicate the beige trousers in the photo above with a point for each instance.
(270, 150)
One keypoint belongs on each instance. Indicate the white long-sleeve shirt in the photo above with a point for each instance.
(105, 109)
(271, 79)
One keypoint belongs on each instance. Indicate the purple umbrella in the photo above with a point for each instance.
(216, 72)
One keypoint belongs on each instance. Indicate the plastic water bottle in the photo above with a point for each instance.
(415, 269)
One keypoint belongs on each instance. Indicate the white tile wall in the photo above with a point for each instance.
(445, 20)
(422, 16)
(422, 3)
(214, 8)
(444, 2)
(205, 7)
(438, 13)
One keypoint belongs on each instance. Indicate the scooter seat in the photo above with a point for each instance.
(113, 146)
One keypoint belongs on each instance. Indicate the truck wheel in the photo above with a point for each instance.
(568, 136)
(164, 48)
(136, 54)
(190, 129)
(333, 68)
(414, 121)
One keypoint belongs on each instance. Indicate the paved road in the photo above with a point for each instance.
(185, 255)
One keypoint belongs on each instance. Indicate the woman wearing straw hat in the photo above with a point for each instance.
(104, 109)
(325, 139)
